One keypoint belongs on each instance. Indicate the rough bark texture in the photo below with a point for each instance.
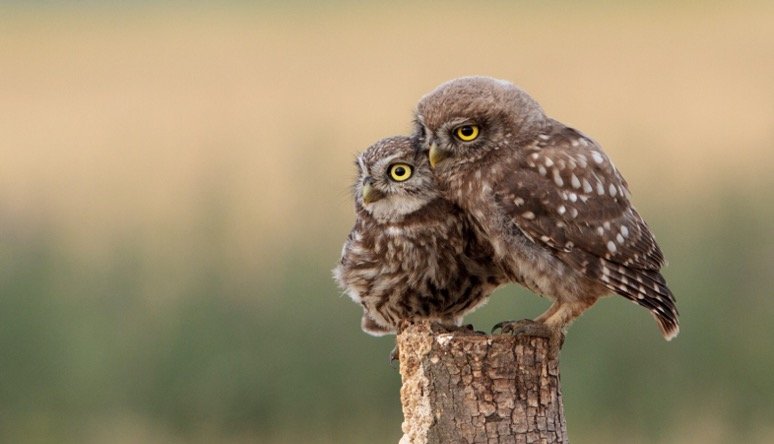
(471, 388)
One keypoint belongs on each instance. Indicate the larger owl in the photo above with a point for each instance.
(554, 209)
(411, 254)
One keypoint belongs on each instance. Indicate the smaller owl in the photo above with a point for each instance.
(411, 254)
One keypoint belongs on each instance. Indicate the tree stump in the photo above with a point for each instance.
(467, 387)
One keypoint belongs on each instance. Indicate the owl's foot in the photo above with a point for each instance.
(524, 327)
(528, 327)
(466, 329)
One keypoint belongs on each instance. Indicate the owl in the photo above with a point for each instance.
(411, 254)
(553, 208)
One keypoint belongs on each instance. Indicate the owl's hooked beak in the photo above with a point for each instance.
(371, 194)
(437, 155)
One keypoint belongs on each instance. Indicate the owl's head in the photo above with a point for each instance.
(464, 119)
(394, 179)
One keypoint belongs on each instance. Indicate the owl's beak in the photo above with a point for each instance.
(371, 194)
(437, 155)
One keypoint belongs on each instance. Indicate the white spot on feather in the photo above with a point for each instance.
(600, 188)
(575, 181)
(549, 163)
(611, 246)
(528, 215)
(624, 231)
(518, 201)
(587, 186)
(619, 238)
(597, 156)
(613, 190)
(558, 179)
(542, 170)
(561, 209)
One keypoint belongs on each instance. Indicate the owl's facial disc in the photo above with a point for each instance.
(394, 180)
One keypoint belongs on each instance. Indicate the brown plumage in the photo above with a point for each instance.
(411, 254)
(549, 201)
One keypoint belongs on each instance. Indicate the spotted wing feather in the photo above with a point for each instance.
(566, 194)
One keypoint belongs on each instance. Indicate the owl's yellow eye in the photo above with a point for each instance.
(466, 133)
(400, 172)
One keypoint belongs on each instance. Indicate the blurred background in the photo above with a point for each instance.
(174, 193)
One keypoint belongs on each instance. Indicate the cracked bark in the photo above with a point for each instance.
(464, 387)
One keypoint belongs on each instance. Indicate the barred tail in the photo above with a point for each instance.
(646, 288)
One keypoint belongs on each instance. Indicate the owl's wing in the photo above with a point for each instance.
(565, 193)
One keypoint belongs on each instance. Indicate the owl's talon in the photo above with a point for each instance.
(528, 327)
(524, 327)
(469, 328)
(440, 328)
(499, 325)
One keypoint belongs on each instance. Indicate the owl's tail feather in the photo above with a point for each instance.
(648, 289)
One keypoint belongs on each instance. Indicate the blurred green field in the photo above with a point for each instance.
(174, 192)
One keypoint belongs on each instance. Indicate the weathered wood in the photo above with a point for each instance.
(464, 387)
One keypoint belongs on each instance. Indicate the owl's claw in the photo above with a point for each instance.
(528, 327)
(466, 329)
(524, 327)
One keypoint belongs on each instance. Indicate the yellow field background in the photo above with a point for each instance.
(174, 189)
